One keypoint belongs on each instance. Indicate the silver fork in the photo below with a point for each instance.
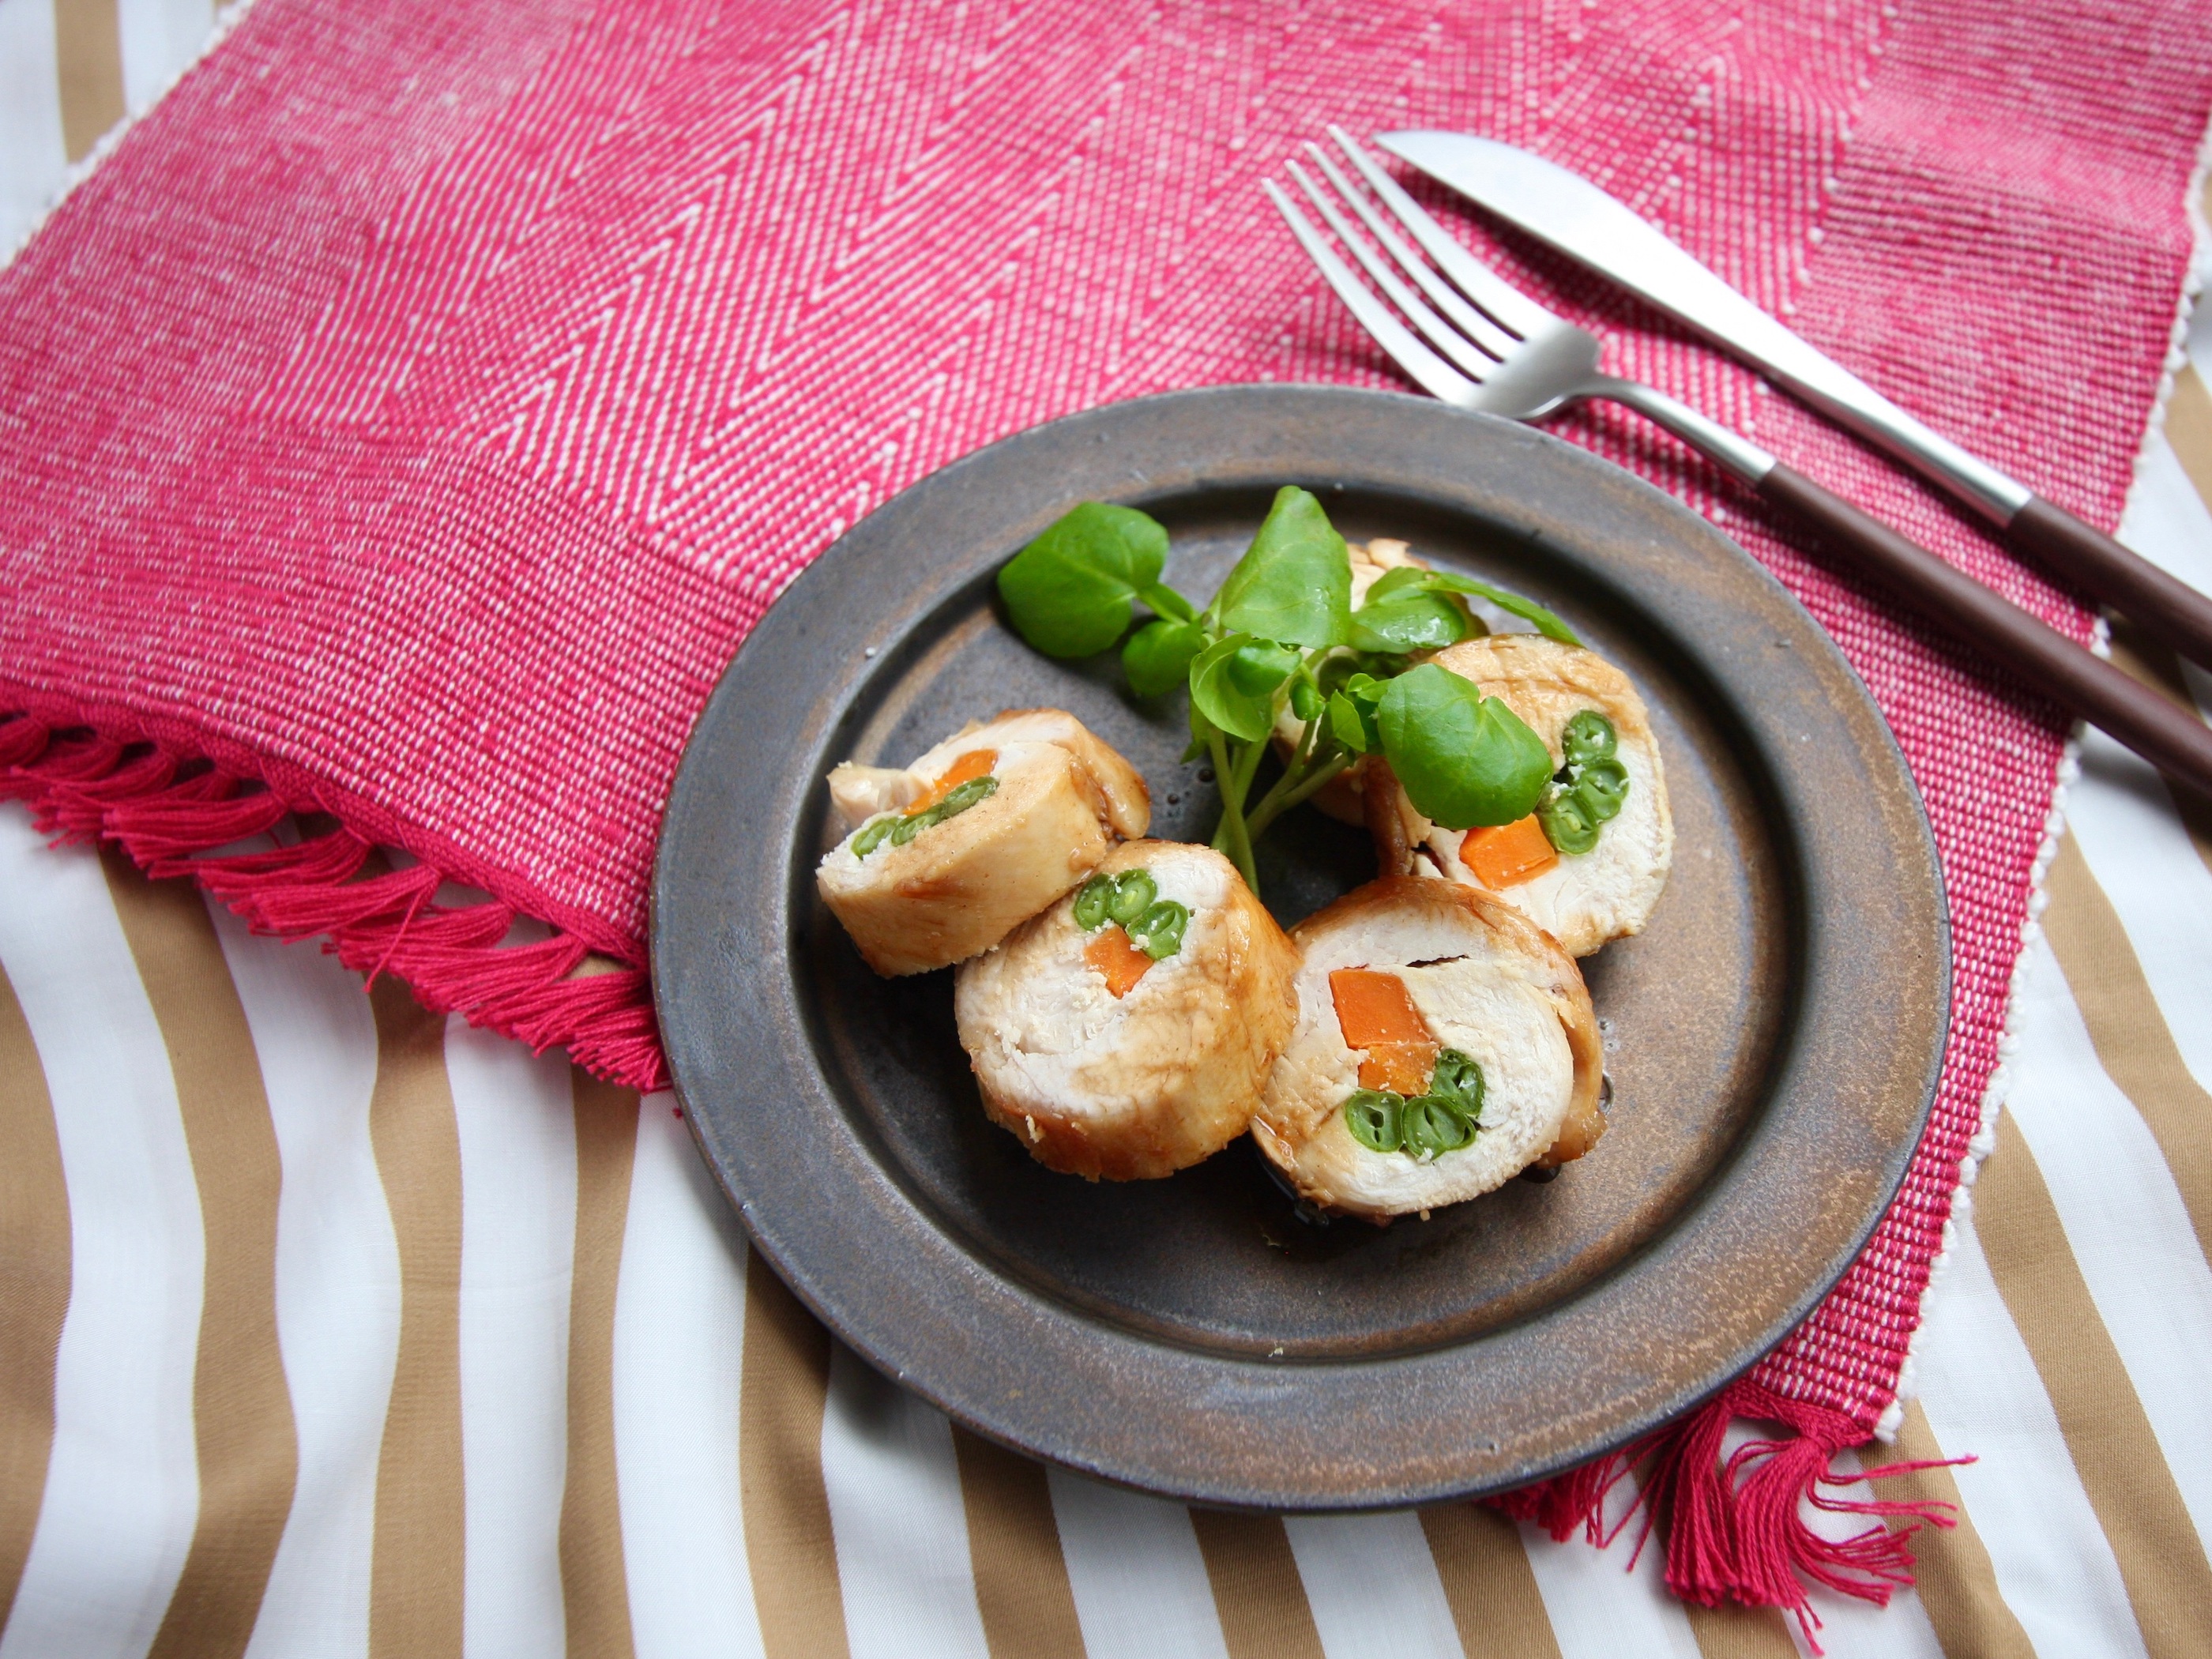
(1509, 355)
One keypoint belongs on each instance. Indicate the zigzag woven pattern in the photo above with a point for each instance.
(408, 421)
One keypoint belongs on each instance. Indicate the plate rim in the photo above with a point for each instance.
(1244, 1392)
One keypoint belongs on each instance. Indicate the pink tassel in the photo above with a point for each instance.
(22, 739)
(165, 809)
(1736, 1528)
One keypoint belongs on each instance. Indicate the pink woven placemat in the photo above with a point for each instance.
(403, 428)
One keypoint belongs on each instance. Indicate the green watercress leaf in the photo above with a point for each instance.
(1294, 584)
(1233, 683)
(1464, 759)
(1070, 593)
(1397, 582)
(1158, 656)
(1166, 602)
(1351, 713)
(1444, 581)
(1409, 619)
(1350, 726)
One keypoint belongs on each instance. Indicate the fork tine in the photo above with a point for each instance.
(1516, 310)
(1470, 321)
(1427, 370)
(1440, 334)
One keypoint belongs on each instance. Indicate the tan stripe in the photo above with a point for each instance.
(2161, 1561)
(35, 1287)
(88, 64)
(1730, 1631)
(2133, 1044)
(1495, 1603)
(788, 1542)
(2155, 666)
(415, 1579)
(1013, 1545)
(1951, 1568)
(595, 1584)
(1257, 1593)
(249, 1453)
(2189, 428)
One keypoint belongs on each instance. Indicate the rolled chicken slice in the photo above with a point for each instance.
(980, 833)
(1590, 864)
(1444, 1044)
(1126, 1033)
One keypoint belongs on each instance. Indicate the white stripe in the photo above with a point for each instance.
(2124, 1220)
(1139, 1581)
(159, 39)
(33, 160)
(518, 1134)
(902, 1530)
(2166, 520)
(2135, 844)
(337, 1283)
(122, 1490)
(1601, 1609)
(1372, 1586)
(1982, 1395)
(678, 1356)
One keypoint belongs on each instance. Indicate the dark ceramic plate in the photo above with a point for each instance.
(1773, 1037)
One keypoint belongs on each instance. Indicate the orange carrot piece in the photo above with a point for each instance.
(975, 763)
(1122, 963)
(1376, 1013)
(1508, 853)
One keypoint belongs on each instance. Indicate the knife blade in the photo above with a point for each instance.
(1569, 212)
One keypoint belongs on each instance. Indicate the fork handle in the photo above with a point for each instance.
(2163, 606)
(2176, 743)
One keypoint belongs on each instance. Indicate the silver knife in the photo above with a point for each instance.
(1586, 224)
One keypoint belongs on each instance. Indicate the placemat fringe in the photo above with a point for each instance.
(176, 813)
(1734, 1525)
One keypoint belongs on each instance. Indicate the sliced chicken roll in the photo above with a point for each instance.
(988, 828)
(1590, 864)
(1126, 1032)
(1444, 1045)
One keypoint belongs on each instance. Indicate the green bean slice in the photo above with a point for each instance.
(1091, 903)
(1458, 1079)
(873, 835)
(1376, 1118)
(960, 796)
(1602, 788)
(1158, 931)
(956, 802)
(1589, 737)
(1566, 822)
(1435, 1126)
(1134, 893)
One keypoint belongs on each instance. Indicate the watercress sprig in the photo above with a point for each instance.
(1282, 635)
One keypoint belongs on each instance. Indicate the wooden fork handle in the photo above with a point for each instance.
(2176, 743)
(2163, 606)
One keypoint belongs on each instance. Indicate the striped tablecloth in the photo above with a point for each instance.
(330, 1327)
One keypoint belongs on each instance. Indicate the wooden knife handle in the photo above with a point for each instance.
(2176, 743)
(2162, 605)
